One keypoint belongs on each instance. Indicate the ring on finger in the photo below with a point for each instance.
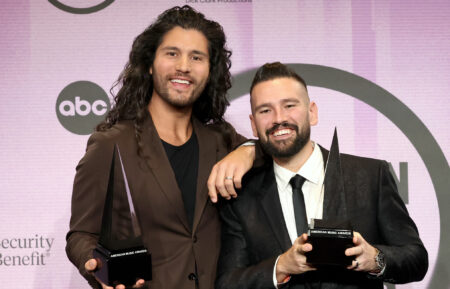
(356, 265)
(228, 178)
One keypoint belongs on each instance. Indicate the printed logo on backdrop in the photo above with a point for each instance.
(64, 6)
(405, 119)
(25, 251)
(216, 1)
(82, 105)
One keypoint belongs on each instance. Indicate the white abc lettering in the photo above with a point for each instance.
(79, 104)
(82, 107)
(70, 111)
(99, 107)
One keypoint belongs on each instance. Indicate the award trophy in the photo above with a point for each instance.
(125, 260)
(332, 235)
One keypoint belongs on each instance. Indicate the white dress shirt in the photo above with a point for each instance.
(313, 171)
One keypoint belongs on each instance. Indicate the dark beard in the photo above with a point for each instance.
(286, 150)
(163, 92)
(178, 103)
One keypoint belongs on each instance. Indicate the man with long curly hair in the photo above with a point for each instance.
(168, 125)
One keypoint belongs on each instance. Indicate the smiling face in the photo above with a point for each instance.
(181, 67)
(282, 116)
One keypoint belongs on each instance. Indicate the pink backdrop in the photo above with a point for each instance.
(402, 46)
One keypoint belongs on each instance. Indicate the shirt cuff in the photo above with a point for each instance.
(248, 143)
(275, 282)
(379, 274)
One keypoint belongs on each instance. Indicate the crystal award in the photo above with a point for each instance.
(332, 235)
(120, 260)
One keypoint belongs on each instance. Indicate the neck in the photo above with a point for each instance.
(173, 124)
(295, 162)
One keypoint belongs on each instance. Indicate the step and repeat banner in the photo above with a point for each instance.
(378, 70)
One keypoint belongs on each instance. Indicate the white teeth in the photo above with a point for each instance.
(180, 81)
(282, 132)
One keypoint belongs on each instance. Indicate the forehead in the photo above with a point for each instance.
(276, 90)
(184, 39)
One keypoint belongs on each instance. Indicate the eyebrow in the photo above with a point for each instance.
(200, 53)
(261, 106)
(291, 99)
(178, 49)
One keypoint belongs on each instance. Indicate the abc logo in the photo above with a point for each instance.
(94, 7)
(81, 106)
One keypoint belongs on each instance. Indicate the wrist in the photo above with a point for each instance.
(380, 262)
(282, 278)
(249, 149)
(281, 273)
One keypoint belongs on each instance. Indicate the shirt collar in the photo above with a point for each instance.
(311, 170)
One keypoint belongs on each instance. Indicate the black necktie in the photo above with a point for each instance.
(299, 204)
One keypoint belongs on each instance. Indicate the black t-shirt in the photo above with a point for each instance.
(184, 162)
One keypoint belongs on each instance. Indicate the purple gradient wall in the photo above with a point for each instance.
(402, 46)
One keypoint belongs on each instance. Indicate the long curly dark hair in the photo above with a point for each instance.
(135, 83)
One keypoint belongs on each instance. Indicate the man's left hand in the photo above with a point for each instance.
(227, 174)
(364, 254)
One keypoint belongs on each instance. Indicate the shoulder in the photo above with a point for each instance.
(117, 133)
(358, 162)
(225, 134)
(99, 150)
(257, 175)
(100, 144)
(353, 164)
(219, 129)
(354, 160)
(256, 183)
(257, 179)
(363, 170)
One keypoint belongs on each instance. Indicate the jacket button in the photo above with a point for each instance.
(192, 276)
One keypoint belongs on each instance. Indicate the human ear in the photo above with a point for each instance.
(252, 121)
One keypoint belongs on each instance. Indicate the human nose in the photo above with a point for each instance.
(183, 64)
(279, 116)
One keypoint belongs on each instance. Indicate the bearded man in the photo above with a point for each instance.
(168, 124)
(263, 245)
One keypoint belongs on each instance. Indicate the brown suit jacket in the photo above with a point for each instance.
(177, 250)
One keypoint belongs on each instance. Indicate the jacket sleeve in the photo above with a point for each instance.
(89, 192)
(234, 268)
(405, 255)
(234, 140)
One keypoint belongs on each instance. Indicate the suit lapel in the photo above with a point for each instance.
(208, 147)
(270, 201)
(162, 170)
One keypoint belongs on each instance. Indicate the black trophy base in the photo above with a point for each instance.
(329, 247)
(122, 266)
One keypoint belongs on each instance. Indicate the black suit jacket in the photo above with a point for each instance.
(254, 232)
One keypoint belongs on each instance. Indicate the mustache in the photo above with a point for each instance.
(181, 75)
(280, 126)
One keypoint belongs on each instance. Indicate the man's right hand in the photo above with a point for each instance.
(91, 266)
(293, 261)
